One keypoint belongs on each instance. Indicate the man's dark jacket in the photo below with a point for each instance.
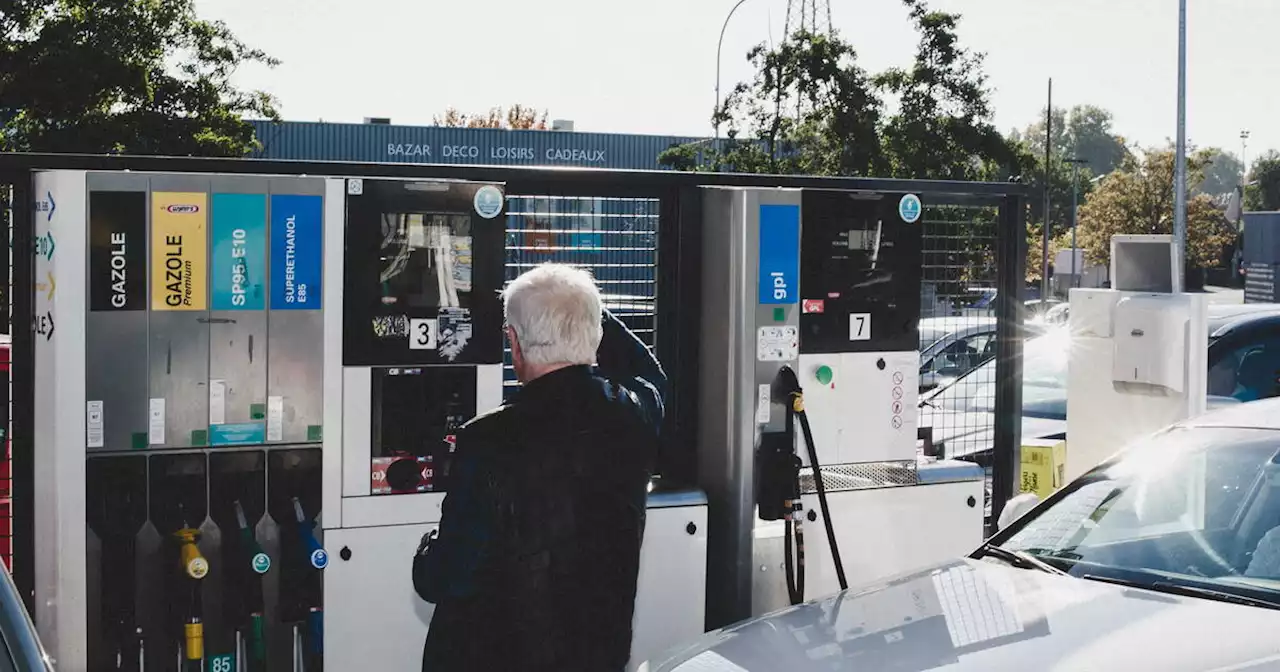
(538, 553)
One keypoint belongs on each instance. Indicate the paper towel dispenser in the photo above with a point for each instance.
(1150, 342)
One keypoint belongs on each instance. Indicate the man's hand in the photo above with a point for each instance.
(425, 544)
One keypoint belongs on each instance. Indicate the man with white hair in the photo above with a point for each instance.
(538, 552)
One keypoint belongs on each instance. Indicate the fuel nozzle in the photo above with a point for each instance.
(194, 564)
(259, 564)
(786, 388)
(316, 555)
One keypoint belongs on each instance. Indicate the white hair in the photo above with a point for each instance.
(555, 310)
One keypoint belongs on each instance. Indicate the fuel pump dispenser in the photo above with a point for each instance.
(810, 309)
(272, 369)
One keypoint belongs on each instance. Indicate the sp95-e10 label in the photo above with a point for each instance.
(239, 251)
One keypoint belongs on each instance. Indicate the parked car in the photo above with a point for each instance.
(1242, 339)
(953, 346)
(1165, 557)
(20, 647)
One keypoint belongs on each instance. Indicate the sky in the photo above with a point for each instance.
(650, 67)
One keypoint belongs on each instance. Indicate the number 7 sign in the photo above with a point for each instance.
(859, 326)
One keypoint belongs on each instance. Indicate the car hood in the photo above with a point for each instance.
(979, 616)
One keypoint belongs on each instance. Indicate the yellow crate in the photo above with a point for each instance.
(1044, 465)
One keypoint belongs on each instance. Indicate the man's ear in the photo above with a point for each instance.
(515, 344)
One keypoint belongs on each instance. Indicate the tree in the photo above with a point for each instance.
(1083, 132)
(1137, 198)
(943, 129)
(1264, 196)
(1222, 172)
(811, 109)
(517, 117)
(135, 76)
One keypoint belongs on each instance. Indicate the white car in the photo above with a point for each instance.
(1165, 557)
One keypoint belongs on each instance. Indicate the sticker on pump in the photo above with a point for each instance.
(812, 306)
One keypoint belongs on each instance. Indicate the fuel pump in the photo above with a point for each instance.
(822, 335)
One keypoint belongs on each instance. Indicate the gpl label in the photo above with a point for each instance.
(319, 558)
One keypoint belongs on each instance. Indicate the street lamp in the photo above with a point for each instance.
(1075, 212)
(720, 44)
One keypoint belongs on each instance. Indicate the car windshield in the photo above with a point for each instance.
(930, 335)
(1044, 381)
(1198, 506)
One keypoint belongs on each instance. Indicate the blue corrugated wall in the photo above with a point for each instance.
(381, 143)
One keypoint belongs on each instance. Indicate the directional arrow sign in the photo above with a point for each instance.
(52, 205)
(53, 285)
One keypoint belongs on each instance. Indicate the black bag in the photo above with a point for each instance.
(420, 563)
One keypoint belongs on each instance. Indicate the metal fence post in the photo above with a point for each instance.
(1009, 335)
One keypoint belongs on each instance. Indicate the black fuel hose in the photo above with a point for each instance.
(787, 385)
(822, 499)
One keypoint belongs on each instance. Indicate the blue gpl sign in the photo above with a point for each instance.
(779, 270)
(319, 558)
(909, 208)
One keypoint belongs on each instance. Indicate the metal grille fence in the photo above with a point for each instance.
(616, 239)
(958, 329)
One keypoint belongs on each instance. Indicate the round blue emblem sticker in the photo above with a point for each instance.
(909, 208)
(488, 201)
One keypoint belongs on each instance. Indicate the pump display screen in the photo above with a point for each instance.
(859, 274)
(416, 416)
(422, 270)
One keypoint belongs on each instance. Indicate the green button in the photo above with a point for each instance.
(825, 374)
(779, 314)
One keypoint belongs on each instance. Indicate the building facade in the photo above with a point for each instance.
(384, 143)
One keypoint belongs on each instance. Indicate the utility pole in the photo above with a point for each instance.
(1048, 172)
(1180, 181)
(1075, 213)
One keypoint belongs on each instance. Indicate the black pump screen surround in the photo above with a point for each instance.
(422, 272)
(860, 268)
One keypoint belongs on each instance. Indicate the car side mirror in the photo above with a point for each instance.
(1015, 508)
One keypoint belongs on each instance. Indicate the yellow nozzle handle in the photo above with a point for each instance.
(193, 562)
(194, 633)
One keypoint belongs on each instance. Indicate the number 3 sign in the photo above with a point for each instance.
(423, 333)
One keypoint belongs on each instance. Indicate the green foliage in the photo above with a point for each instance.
(943, 129)
(1084, 132)
(135, 76)
(811, 109)
(1222, 174)
(1265, 195)
(1138, 198)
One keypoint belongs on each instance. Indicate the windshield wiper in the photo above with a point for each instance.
(1018, 559)
(1187, 591)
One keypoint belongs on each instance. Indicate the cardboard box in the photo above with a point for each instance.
(1044, 466)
